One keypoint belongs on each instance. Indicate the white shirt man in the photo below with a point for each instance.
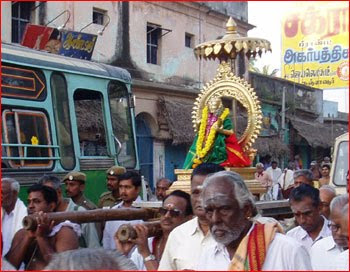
(137, 258)
(11, 223)
(112, 226)
(286, 179)
(303, 237)
(341, 262)
(322, 252)
(274, 172)
(180, 253)
(284, 253)
(12, 212)
(185, 242)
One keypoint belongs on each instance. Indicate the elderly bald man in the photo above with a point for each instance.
(330, 247)
(327, 193)
(229, 207)
(13, 211)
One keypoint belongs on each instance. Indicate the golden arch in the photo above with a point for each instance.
(226, 84)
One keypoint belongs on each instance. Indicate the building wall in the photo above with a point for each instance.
(123, 43)
(298, 97)
(330, 108)
(6, 21)
(81, 16)
(235, 9)
(177, 63)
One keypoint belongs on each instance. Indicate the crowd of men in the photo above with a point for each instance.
(279, 183)
(215, 227)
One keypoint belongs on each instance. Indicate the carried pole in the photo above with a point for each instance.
(98, 215)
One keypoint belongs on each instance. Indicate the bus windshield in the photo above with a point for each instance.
(341, 164)
(121, 122)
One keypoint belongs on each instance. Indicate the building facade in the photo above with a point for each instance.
(154, 41)
(305, 130)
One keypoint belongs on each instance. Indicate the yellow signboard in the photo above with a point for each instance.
(315, 44)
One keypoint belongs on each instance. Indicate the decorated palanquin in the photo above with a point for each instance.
(216, 140)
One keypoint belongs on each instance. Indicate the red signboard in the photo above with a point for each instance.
(67, 43)
(36, 36)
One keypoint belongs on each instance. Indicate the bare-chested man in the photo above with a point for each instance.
(35, 248)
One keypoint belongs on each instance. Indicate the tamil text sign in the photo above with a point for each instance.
(77, 44)
(315, 44)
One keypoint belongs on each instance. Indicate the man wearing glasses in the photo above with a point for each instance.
(327, 193)
(186, 241)
(330, 247)
(176, 209)
(306, 207)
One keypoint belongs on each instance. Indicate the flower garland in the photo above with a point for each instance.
(201, 151)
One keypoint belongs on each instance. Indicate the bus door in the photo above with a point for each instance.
(103, 125)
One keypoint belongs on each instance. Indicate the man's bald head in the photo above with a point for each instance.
(327, 193)
(9, 193)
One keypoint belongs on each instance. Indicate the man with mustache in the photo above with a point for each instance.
(242, 244)
(327, 194)
(35, 248)
(162, 186)
(89, 237)
(330, 247)
(75, 186)
(303, 176)
(176, 209)
(306, 207)
(129, 189)
(186, 241)
(111, 198)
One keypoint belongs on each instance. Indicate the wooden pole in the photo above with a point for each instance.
(126, 231)
(98, 215)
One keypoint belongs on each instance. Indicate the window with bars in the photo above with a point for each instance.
(153, 37)
(21, 13)
(26, 138)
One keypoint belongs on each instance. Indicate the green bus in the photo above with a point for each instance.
(61, 114)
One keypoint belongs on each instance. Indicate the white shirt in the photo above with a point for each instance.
(303, 237)
(137, 258)
(11, 223)
(322, 252)
(184, 246)
(274, 174)
(288, 180)
(111, 227)
(341, 262)
(284, 253)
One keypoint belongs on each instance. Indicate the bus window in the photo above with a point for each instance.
(62, 120)
(90, 123)
(23, 130)
(121, 121)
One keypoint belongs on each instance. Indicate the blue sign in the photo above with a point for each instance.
(77, 44)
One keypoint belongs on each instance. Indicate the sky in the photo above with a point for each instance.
(267, 17)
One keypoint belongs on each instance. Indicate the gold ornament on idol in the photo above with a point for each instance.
(202, 151)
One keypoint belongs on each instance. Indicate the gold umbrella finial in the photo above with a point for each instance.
(231, 26)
